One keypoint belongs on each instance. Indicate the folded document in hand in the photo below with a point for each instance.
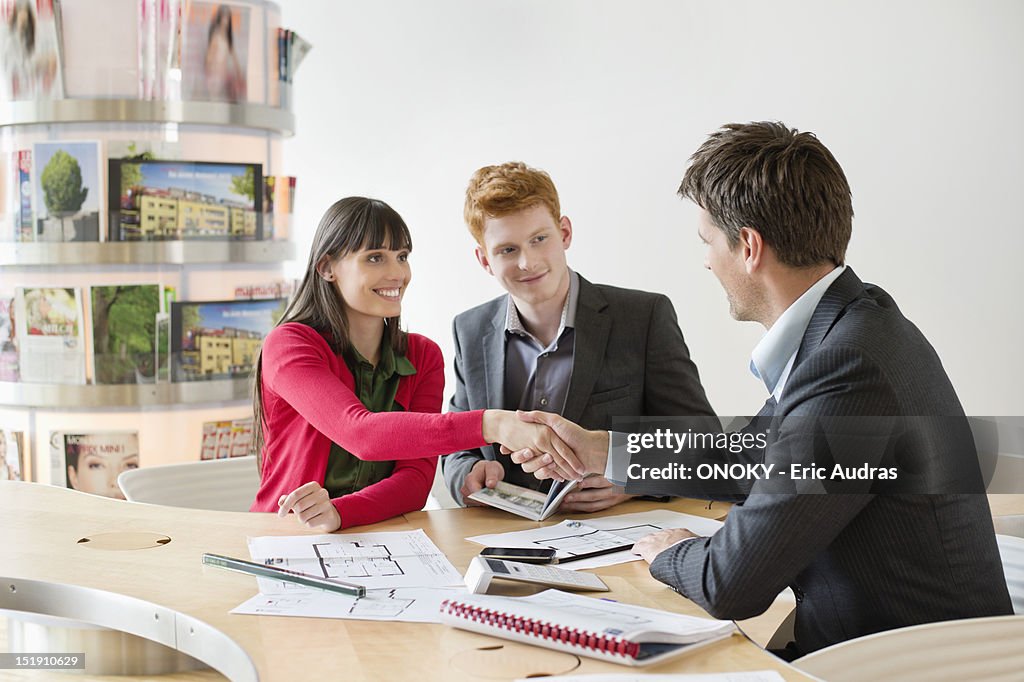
(524, 502)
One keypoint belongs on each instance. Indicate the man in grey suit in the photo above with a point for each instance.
(776, 217)
(556, 342)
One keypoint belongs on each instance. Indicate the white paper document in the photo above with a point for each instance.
(570, 538)
(411, 604)
(375, 560)
(752, 676)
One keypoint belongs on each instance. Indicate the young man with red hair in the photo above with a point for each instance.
(556, 342)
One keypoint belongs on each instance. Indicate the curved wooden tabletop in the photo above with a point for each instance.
(41, 527)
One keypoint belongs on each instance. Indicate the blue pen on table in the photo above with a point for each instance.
(275, 573)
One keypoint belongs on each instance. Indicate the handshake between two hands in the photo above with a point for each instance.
(546, 444)
(554, 447)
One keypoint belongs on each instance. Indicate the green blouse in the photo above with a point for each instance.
(375, 388)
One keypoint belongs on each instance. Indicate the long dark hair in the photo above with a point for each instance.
(221, 16)
(351, 224)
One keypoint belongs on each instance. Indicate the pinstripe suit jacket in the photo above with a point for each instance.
(858, 563)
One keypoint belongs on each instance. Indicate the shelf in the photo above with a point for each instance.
(35, 112)
(122, 395)
(134, 253)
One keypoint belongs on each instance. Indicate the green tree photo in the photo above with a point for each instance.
(61, 181)
(124, 329)
(131, 173)
(245, 184)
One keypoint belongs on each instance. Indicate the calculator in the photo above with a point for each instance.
(483, 570)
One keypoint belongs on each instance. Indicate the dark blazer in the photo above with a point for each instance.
(629, 360)
(858, 563)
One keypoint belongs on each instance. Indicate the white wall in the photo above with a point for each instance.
(921, 102)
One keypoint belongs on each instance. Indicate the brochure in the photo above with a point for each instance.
(50, 335)
(220, 339)
(66, 181)
(524, 502)
(159, 200)
(124, 321)
(13, 456)
(8, 341)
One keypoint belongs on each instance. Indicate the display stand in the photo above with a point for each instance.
(168, 415)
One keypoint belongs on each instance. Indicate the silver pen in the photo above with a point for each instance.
(274, 573)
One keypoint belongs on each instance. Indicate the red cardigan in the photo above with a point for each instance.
(309, 401)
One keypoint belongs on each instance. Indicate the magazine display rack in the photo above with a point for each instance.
(257, 116)
(129, 111)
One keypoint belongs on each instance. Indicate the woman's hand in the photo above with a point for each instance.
(504, 427)
(312, 507)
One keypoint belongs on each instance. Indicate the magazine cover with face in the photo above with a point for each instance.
(215, 50)
(91, 462)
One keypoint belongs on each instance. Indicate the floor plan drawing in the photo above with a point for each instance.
(356, 559)
(384, 560)
(410, 604)
(586, 539)
(382, 605)
(572, 537)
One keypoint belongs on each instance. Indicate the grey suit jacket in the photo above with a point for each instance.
(629, 360)
(858, 563)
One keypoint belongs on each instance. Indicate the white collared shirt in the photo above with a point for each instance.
(772, 359)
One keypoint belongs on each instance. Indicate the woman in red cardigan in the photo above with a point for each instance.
(346, 403)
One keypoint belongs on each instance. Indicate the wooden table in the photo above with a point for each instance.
(42, 526)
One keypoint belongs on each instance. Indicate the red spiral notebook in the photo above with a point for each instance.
(611, 631)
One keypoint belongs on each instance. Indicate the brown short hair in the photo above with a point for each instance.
(779, 181)
(496, 191)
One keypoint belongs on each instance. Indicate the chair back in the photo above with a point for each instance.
(1011, 550)
(218, 484)
(950, 651)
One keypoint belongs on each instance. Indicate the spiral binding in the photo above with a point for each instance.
(542, 629)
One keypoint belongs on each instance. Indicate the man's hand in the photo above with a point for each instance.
(312, 507)
(650, 546)
(590, 447)
(484, 474)
(594, 493)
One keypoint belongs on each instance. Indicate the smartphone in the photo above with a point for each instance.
(526, 555)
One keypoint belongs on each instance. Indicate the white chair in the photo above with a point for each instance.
(218, 484)
(1012, 524)
(1011, 550)
(976, 649)
(1010, 539)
